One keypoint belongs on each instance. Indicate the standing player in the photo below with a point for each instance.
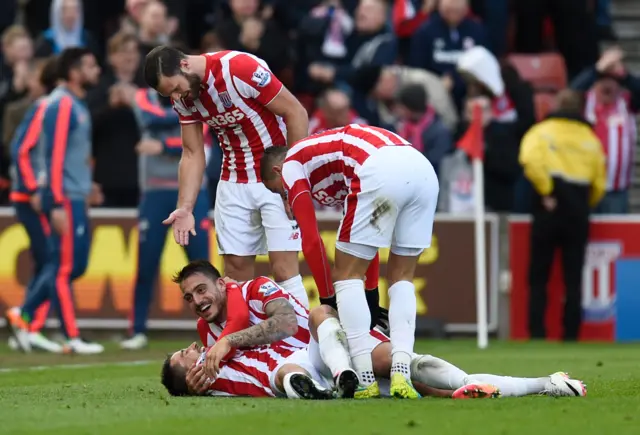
(26, 198)
(390, 193)
(249, 108)
(66, 145)
(159, 157)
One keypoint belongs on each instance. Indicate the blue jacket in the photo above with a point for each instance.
(66, 145)
(25, 170)
(437, 48)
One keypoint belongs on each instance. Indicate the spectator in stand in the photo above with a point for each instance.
(574, 26)
(508, 113)
(376, 88)
(110, 104)
(334, 110)
(17, 48)
(37, 80)
(564, 160)
(134, 10)
(372, 44)
(438, 44)
(66, 29)
(154, 27)
(612, 101)
(421, 125)
(322, 40)
(249, 29)
(407, 17)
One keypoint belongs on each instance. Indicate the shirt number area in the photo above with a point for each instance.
(227, 120)
(325, 199)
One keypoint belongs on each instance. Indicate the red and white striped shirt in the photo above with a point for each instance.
(326, 166)
(249, 372)
(258, 293)
(615, 126)
(234, 94)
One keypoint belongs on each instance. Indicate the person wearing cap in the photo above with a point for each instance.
(611, 104)
(421, 125)
(565, 162)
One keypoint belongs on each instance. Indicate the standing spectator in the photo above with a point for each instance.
(612, 101)
(407, 17)
(574, 26)
(130, 22)
(322, 39)
(438, 43)
(421, 125)
(334, 110)
(564, 160)
(372, 44)
(382, 84)
(38, 79)
(17, 48)
(247, 30)
(66, 29)
(508, 113)
(154, 27)
(66, 147)
(110, 105)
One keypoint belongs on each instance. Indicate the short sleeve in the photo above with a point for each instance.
(265, 290)
(294, 180)
(253, 78)
(185, 116)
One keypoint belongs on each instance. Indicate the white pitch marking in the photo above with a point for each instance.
(77, 366)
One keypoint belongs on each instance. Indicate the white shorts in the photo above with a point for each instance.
(311, 361)
(251, 220)
(393, 206)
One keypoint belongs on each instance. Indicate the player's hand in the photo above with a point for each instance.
(149, 147)
(36, 202)
(549, 203)
(183, 223)
(214, 357)
(96, 197)
(228, 280)
(609, 59)
(59, 220)
(197, 380)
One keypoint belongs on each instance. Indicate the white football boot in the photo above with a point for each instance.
(561, 384)
(40, 342)
(137, 342)
(82, 347)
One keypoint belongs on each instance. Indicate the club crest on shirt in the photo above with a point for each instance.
(261, 77)
(226, 99)
(268, 289)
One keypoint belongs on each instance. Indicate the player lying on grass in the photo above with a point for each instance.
(315, 372)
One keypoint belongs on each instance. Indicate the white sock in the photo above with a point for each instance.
(437, 373)
(295, 288)
(333, 346)
(402, 324)
(509, 386)
(355, 318)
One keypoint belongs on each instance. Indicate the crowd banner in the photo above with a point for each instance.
(611, 281)
(445, 281)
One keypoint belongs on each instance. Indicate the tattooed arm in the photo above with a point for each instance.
(281, 323)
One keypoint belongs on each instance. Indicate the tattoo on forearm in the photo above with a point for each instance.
(281, 323)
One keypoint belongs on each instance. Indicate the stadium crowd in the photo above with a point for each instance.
(391, 63)
(420, 68)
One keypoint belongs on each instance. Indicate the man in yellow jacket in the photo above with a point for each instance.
(565, 162)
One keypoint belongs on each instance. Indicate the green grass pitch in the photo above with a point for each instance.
(108, 397)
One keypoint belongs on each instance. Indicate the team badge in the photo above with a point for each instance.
(226, 99)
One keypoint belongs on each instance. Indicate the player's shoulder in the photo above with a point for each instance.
(263, 287)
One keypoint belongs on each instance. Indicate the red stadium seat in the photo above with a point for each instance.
(546, 72)
(544, 103)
